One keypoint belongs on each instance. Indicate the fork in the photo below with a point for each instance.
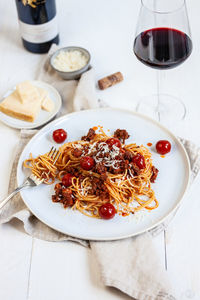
(32, 180)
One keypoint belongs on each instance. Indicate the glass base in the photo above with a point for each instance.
(162, 107)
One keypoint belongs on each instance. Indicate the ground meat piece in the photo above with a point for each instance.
(63, 195)
(58, 189)
(81, 177)
(104, 195)
(58, 192)
(120, 156)
(100, 168)
(103, 176)
(74, 171)
(67, 197)
(77, 152)
(58, 186)
(98, 188)
(154, 174)
(55, 198)
(91, 134)
(95, 182)
(66, 193)
(116, 171)
(121, 134)
(128, 155)
(134, 169)
(124, 165)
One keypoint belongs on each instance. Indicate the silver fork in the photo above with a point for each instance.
(32, 180)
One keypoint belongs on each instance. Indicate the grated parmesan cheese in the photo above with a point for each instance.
(92, 147)
(110, 160)
(77, 146)
(84, 191)
(68, 61)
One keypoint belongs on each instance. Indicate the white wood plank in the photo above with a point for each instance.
(183, 247)
(15, 255)
(7, 155)
(15, 249)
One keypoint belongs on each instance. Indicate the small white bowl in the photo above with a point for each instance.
(70, 75)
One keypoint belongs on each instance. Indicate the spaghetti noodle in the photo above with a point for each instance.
(100, 169)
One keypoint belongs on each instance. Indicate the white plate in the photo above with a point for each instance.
(43, 116)
(170, 186)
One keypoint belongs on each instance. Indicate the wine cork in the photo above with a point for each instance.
(110, 80)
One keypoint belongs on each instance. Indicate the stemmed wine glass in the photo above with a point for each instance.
(163, 41)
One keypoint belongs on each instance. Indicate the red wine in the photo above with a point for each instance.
(162, 48)
(38, 25)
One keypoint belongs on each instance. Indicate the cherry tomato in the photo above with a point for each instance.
(67, 179)
(59, 135)
(107, 211)
(87, 162)
(138, 159)
(113, 141)
(163, 147)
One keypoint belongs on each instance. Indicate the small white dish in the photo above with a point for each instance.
(71, 75)
(43, 117)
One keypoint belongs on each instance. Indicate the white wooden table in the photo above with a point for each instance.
(38, 270)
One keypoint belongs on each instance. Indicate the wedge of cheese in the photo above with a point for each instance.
(13, 107)
(46, 103)
(42, 93)
(27, 92)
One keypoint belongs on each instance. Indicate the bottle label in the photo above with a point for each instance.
(39, 33)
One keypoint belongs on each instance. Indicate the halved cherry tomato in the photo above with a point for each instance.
(138, 159)
(107, 211)
(67, 179)
(59, 135)
(163, 147)
(87, 162)
(113, 141)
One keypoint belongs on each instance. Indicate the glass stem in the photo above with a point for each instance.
(160, 78)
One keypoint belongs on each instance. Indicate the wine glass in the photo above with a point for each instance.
(163, 41)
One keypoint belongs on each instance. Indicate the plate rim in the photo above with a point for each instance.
(179, 199)
(47, 120)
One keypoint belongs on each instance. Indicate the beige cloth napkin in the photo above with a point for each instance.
(129, 265)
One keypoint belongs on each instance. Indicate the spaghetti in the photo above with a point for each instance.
(100, 169)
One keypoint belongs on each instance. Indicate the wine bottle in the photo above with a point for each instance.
(38, 24)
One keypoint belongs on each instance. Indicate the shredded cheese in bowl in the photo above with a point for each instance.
(69, 61)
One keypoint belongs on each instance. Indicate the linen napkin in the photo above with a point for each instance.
(133, 266)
